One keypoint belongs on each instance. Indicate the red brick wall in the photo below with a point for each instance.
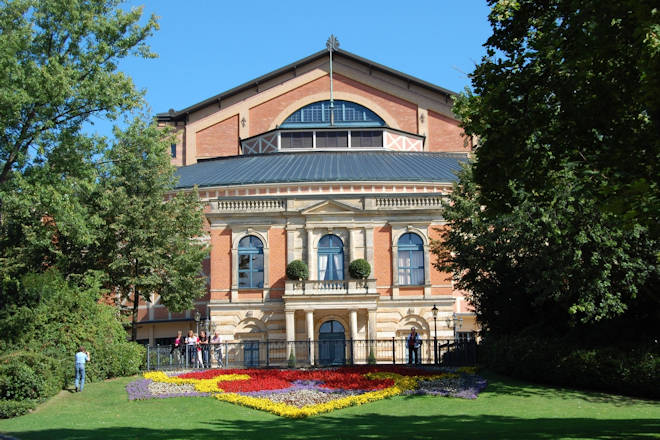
(404, 112)
(445, 134)
(220, 262)
(383, 258)
(438, 277)
(220, 139)
(277, 263)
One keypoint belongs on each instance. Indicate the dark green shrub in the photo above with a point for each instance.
(359, 269)
(624, 370)
(297, 270)
(292, 360)
(67, 317)
(29, 375)
(15, 408)
(371, 360)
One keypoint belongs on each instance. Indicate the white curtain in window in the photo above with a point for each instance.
(404, 278)
(417, 264)
(323, 265)
(339, 267)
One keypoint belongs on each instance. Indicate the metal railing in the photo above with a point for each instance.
(278, 353)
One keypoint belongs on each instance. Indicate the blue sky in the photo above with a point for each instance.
(206, 47)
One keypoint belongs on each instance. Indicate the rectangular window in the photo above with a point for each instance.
(297, 140)
(366, 139)
(331, 139)
(465, 336)
(173, 150)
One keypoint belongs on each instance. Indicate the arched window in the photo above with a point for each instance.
(250, 263)
(331, 258)
(411, 260)
(346, 114)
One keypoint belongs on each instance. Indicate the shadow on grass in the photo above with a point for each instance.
(366, 426)
(503, 385)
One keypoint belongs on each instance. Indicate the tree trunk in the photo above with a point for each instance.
(136, 302)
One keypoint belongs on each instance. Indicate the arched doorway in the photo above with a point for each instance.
(332, 343)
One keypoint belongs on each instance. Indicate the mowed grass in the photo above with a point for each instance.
(507, 409)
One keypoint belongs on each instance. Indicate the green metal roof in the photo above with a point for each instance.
(322, 166)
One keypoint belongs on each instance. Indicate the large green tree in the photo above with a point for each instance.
(58, 62)
(150, 246)
(554, 226)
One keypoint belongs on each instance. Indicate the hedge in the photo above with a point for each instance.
(625, 370)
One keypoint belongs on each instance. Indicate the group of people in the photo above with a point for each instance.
(196, 350)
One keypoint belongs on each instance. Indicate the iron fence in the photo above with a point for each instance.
(278, 353)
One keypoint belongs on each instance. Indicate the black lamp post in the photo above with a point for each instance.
(197, 317)
(434, 310)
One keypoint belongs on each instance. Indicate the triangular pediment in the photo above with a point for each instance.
(330, 207)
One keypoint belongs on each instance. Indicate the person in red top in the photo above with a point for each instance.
(179, 346)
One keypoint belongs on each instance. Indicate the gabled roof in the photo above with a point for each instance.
(173, 115)
(322, 166)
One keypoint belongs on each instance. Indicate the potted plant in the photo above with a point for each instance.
(359, 269)
(297, 270)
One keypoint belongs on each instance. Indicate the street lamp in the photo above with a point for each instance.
(434, 310)
(197, 316)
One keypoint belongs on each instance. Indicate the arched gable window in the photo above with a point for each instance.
(331, 258)
(346, 114)
(411, 260)
(250, 263)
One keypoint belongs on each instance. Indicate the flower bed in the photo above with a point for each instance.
(302, 393)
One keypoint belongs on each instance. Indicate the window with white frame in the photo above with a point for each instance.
(411, 260)
(250, 263)
(331, 258)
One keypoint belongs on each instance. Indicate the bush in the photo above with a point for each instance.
(297, 270)
(371, 360)
(359, 269)
(15, 408)
(623, 370)
(292, 360)
(27, 375)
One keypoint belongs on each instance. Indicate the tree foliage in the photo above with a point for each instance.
(150, 245)
(58, 62)
(555, 225)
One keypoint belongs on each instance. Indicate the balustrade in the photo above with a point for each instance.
(330, 287)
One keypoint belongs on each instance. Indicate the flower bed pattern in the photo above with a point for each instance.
(302, 393)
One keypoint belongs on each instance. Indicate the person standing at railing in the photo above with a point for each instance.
(216, 341)
(413, 342)
(179, 346)
(82, 357)
(204, 348)
(191, 344)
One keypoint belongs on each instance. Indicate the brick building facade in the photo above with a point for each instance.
(288, 174)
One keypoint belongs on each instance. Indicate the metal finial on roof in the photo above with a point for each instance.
(332, 43)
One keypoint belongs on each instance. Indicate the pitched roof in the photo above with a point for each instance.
(176, 115)
(322, 166)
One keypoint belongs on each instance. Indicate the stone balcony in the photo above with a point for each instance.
(333, 287)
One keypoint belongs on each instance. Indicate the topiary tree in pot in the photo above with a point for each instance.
(297, 270)
(359, 269)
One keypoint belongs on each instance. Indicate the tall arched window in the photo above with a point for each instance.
(331, 258)
(411, 260)
(250, 263)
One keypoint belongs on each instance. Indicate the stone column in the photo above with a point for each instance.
(352, 314)
(290, 331)
(311, 256)
(372, 324)
(309, 320)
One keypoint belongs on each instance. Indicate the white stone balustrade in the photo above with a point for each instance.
(409, 202)
(249, 205)
(331, 287)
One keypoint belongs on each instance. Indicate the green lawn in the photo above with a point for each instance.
(506, 409)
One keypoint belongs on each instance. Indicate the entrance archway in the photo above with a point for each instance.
(332, 343)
